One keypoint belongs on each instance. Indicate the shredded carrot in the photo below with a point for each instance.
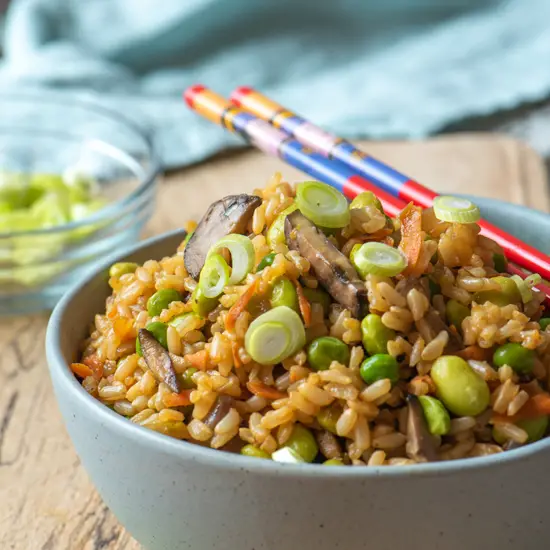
(199, 359)
(411, 237)
(181, 399)
(263, 390)
(236, 358)
(81, 370)
(294, 376)
(123, 328)
(303, 303)
(538, 405)
(95, 364)
(240, 305)
(474, 352)
(112, 313)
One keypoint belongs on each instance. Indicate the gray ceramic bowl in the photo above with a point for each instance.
(174, 495)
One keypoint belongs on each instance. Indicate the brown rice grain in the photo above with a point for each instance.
(511, 431)
(377, 458)
(462, 424)
(517, 403)
(389, 442)
(299, 402)
(346, 422)
(199, 430)
(376, 390)
(273, 419)
(315, 394)
(418, 303)
(124, 408)
(503, 396)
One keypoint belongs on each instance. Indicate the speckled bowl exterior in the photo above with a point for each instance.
(174, 495)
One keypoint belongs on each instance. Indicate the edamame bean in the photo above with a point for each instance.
(202, 305)
(161, 299)
(266, 261)
(283, 293)
(437, 416)
(121, 268)
(302, 442)
(544, 322)
(364, 199)
(158, 330)
(461, 390)
(535, 427)
(508, 293)
(521, 359)
(186, 379)
(276, 232)
(319, 296)
(375, 334)
(333, 462)
(379, 367)
(456, 313)
(328, 417)
(254, 452)
(326, 349)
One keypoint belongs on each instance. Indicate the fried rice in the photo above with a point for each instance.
(213, 393)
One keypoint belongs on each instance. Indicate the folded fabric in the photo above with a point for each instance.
(386, 69)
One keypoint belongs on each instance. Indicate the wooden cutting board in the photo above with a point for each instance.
(46, 500)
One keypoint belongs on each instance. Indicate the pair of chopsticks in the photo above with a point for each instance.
(280, 132)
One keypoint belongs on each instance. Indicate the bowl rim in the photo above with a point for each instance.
(181, 449)
(88, 104)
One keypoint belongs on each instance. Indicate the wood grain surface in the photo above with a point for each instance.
(46, 499)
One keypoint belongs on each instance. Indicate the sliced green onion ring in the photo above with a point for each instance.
(533, 280)
(242, 256)
(214, 276)
(274, 336)
(322, 204)
(288, 455)
(455, 209)
(524, 288)
(379, 259)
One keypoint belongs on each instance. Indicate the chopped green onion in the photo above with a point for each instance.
(455, 209)
(500, 262)
(364, 199)
(275, 335)
(379, 259)
(524, 288)
(214, 276)
(322, 204)
(288, 455)
(533, 280)
(242, 256)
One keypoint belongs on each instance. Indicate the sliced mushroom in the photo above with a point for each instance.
(158, 360)
(437, 325)
(333, 270)
(421, 445)
(328, 444)
(218, 411)
(228, 215)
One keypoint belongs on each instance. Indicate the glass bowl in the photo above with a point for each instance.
(46, 136)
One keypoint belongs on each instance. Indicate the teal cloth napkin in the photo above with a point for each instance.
(379, 69)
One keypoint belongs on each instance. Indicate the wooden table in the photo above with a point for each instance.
(46, 499)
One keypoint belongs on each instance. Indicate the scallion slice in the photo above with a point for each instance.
(455, 209)
(274, 336)
(379, 259)
(322, 204)
(214, 276)
(524, 288)
(288, 455)
(242, 255)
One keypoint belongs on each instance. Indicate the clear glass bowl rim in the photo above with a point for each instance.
(93, 107)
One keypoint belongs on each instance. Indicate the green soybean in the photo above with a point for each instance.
(437, 416)
(328, 417)
(326, 349)
(333, 462)
(379, 367)
(544, 322)
(375, 334)
(254, 452)
(186, 379)
(202, 305)
(266, 261)
(461, 390)
(158, 330)
(283, 293)
(456, 313)
(318, 296)
(161, 299)
(121, 268)
(521, 359)
(507, 294)
(303, 442)
(535, 427)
